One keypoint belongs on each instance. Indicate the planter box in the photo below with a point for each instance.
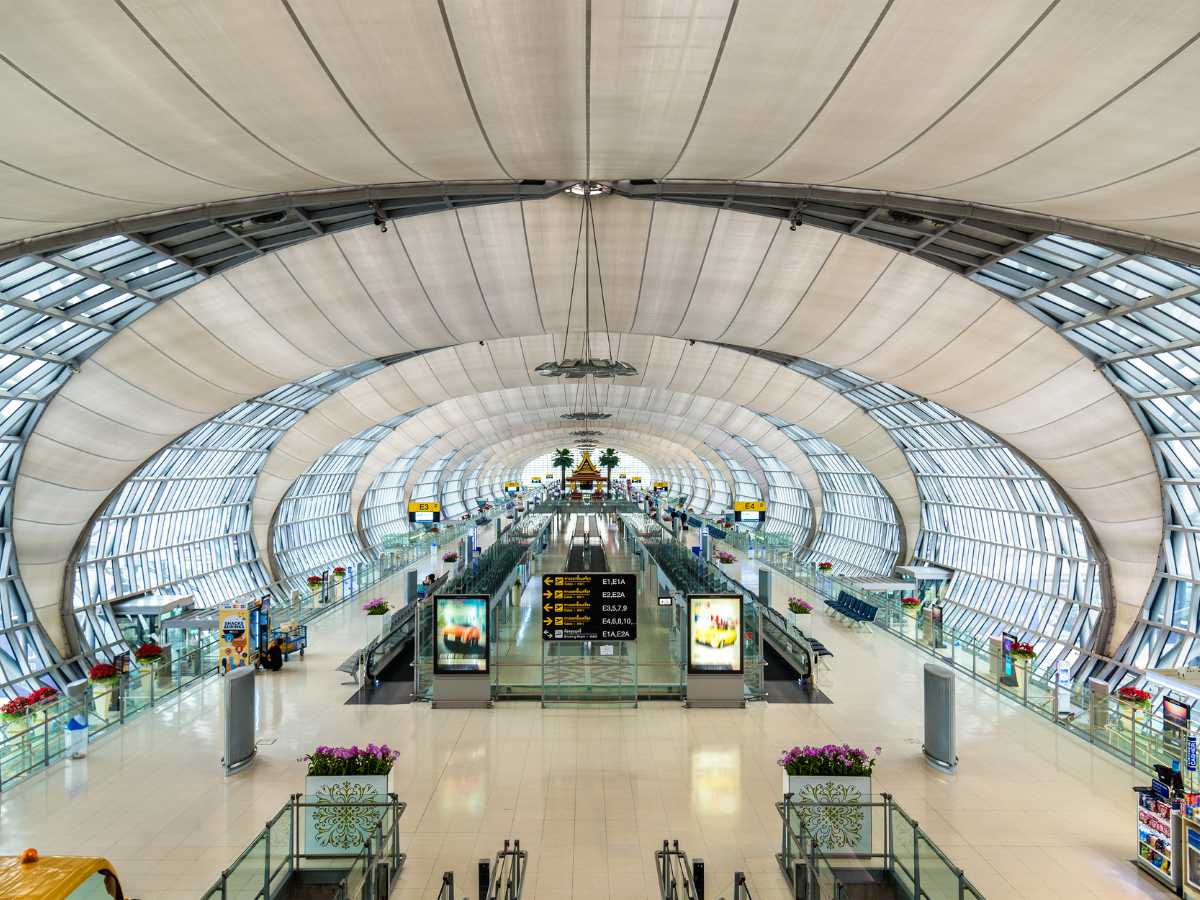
(843, 830)
(337, 824)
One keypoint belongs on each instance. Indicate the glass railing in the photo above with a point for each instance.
(829, 849)
(286, 849)
(690, 574)
(44, 736)
(1124, 730)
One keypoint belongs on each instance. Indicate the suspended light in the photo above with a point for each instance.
(581, 368)
(586, 416)
(585, 364)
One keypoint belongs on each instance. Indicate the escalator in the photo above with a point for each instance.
(391, 686)
(784, 682)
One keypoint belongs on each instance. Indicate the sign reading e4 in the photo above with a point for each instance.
(750, 506)
(424, 506)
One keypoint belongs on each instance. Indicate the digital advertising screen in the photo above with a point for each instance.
(460, 645)
(1177, 713)
(1008, 670)
(714, 634)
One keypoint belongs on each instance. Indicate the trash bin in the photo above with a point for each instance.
(76, 738)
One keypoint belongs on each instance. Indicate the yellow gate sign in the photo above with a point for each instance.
(750, 506)
(424, 506)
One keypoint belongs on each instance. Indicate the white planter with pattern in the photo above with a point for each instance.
(842, 830)
(338, 822)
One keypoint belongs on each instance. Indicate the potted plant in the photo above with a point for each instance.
(1134, 698)
(910, 605)
(838, 775)
(339, 572)
(727, 560)
(148, 654)
(825, 567)
(341, 777)
(314, 585)
(376, 610)
(16, 716)
(450, 556)
(104, 678)
(798, 607)
(1023, 651)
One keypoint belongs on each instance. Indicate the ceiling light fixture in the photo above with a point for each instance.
(584, 363)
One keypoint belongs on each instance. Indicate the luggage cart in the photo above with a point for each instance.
(291, 641)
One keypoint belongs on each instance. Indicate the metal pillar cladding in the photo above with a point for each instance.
(705, 544)
(498, 520)
(764, 586)
(674, 528)
(410, 586)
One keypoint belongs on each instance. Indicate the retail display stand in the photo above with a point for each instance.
(1190, 863)
(1159, 834)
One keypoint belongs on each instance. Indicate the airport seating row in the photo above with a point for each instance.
(852, 608)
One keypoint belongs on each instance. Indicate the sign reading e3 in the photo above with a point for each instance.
(424, 506)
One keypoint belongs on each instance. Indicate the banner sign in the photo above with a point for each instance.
(424, 511)
(661, 486)
(233, 648)
(759, 506)
(589, 606)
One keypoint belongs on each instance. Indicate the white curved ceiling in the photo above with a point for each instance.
(116, 109)
(697, 433)
(694, 380)
(505, 270)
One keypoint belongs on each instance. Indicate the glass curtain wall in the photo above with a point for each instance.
(181, 523)
(1138, 317)
(315, 525)
(384, 511)
(858, 526)
(54, 310)
(1019, 555)
(789, 508)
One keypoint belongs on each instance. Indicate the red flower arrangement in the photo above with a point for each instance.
(103, 672)
(910, 602)
(43, 695)
(1023, 650)
(1132, 696)
(148, 652)
(339, 571)
(824, 566)
(16, 708)
(314, 580)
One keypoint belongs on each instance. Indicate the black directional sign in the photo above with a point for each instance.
(589, 606)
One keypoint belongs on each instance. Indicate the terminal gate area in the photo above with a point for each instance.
(586, 603)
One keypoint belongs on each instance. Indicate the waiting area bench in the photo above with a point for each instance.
(852, 608)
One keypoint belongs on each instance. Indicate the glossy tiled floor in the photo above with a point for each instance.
(592, 792)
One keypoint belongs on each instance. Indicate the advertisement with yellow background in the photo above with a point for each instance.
(233, 651)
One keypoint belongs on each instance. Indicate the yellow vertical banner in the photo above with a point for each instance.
(234, 647)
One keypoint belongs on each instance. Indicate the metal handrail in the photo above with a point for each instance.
(676, 880)
(507, 878)
(807, 865)
(41, 743)
(380, 851)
